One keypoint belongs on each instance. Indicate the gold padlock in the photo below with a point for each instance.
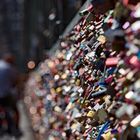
(102, 39)
(90, 114)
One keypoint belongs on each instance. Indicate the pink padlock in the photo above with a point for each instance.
(112, 61)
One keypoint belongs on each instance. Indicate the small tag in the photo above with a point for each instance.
(80, 90)
(97, 107)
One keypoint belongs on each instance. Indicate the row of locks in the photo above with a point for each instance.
(89, 88)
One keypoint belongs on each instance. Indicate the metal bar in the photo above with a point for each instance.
(69, 27)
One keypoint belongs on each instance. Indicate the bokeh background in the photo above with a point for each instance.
(29, 28)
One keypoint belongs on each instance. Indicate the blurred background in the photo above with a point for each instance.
(28, 28)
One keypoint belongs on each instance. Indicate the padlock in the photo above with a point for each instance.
(90, 114)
